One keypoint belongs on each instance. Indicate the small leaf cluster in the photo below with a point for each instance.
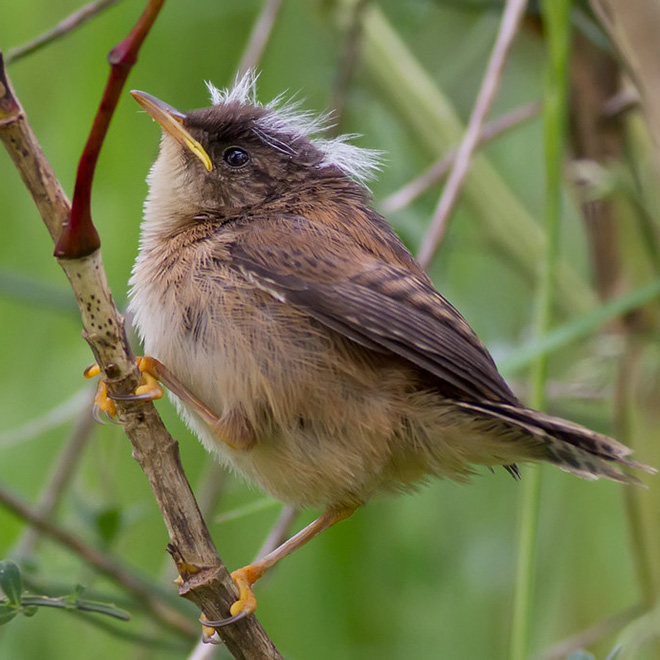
(18, 601)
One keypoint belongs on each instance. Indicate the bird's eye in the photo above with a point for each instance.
(236, 157)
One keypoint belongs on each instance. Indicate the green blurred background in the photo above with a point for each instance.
(428, 575)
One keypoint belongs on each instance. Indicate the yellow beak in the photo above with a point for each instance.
(171, 120)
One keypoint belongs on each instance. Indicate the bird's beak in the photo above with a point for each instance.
(171, 121)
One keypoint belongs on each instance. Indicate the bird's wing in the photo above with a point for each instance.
(382, 306)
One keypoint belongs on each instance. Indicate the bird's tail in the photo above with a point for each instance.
(569, 446)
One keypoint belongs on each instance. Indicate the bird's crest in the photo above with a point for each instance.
(284, 121)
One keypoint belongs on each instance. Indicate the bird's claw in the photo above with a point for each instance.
(102, 416)
(209, 634)
(143, 396)
(102, 402)
(243, 578)
(150, 390)
(221, 623)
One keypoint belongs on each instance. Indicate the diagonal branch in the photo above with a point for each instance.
(592, 634)
(60, 477)
(513, 12)
(69, 24)
(413, 189)
(279, 533)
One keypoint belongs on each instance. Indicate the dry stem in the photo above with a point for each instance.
(69, 24)
(513, 13)
(259, 36)
(410, 191)
(60, 478)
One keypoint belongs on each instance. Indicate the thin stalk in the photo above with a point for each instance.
(556, 15)
(259, 37)
(408, 193)
(62, 29)
(511, 17)
(79, 237)
(60, 478)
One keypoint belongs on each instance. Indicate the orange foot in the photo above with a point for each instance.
(149, 390)
(243, 578)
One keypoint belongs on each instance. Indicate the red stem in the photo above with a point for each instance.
(79, 237)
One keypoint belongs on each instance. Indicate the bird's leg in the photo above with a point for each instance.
(233, 428)
(245, 577)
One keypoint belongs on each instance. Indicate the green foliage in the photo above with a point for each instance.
(19, 602)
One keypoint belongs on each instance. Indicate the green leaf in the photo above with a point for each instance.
(7, 613)
(11, 581)
(75, 595)
(30, 610)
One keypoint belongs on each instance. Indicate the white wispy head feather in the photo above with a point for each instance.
(286, 119)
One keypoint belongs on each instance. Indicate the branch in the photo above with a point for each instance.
(205, 579)
(408, 193)
(633, 27)
(513, 12)
(279, 533)
(30, 161)
(592, 634)
(69, 24)
(259, 37)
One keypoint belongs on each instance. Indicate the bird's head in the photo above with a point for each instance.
(239, 157)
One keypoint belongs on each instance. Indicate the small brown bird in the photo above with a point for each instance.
(303, 343)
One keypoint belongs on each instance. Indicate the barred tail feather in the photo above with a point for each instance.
(569, 446)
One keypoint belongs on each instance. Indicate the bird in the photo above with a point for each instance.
(299, 338)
